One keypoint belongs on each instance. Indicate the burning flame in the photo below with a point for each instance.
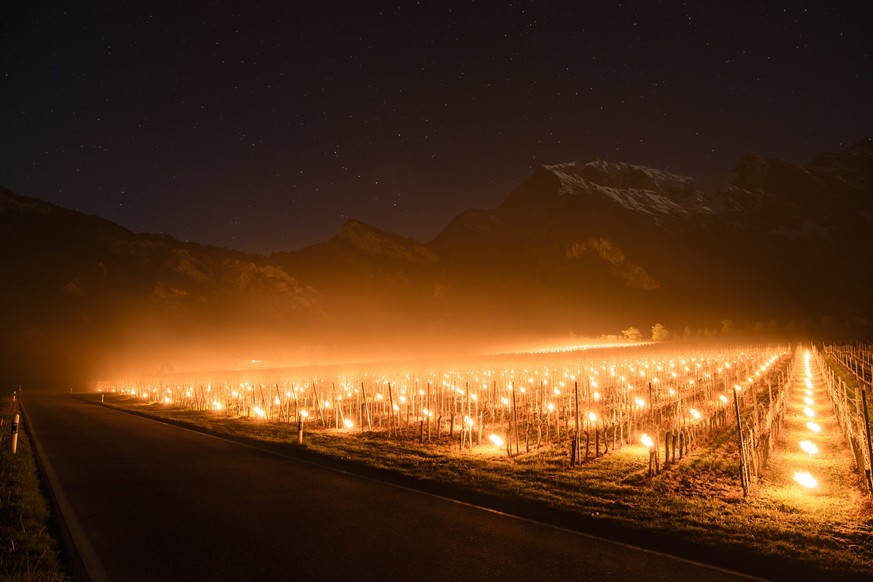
(808, 447)
(805, 479)
(813, 426)
(498, 442)
(647, 440)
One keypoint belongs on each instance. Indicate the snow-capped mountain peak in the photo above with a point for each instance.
(636, 188)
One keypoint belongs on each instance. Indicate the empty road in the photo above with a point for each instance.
(151, 501)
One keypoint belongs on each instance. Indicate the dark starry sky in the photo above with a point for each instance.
(264, 126)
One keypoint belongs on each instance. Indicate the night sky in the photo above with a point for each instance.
(265, 126)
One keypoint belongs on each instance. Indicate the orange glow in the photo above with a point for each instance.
(808, 447)
(805, 479)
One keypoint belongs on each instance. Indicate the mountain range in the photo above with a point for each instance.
(769, 249)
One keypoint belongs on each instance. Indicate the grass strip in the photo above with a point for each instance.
(28, 547)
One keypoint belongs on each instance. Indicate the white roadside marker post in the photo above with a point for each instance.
(14, 434)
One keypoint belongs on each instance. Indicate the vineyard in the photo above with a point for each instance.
(590, 402)
(848, 378)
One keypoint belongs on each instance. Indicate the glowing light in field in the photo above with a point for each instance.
(640, 402)
(809, 412)
(217, 405)
(809, 401)
(808, 447)
(348, 423)
(166, 399)
(498, 442)
(695, 414)
(592, 417)
(723, 398)
(805, 479)
(647, 440)
(259, 411)
(551, 407)
(813, 426)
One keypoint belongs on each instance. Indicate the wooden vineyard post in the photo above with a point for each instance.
(429, 413)
(279, 397)
(575, 446)
(367, 409)
(597, 441)
(452, 413)
(481, 426)
(869, 469)
(548, 426)
(667, 441)
(469, 414)
(392, 425)
(318, 404)
(514, 415)
(651, 462)
(337, 410)
(742, 453)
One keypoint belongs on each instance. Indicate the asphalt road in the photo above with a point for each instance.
(152, 501)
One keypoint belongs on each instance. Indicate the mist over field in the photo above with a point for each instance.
(771, 250)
